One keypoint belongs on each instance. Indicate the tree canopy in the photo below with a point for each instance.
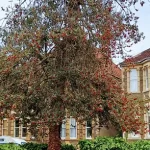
(55, 60)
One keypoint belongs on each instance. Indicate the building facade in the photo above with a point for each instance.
(136, 82)
(71, 131)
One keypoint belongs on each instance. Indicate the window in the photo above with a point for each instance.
(23, 130)
(149, 125)
(146, 78)
(88, 130)
(63, 130)
(19, 129)
(4, 127)
(73, 129)
(16, 132)
(147, 120)
(133, 80)
(134, 135)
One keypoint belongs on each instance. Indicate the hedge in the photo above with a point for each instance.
(100, 143)
(32, 146)
(36, 146)
(10, 147)
(104, 143)
(110, 143)
(141, 145)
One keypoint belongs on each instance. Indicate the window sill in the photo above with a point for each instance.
(73, 138)
(146, 91)
(134, 92)
(23, 137)
(89, 138)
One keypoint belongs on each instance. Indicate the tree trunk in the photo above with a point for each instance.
(54, 142)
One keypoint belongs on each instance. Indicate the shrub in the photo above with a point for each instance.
(67, 147)
(110, 143)
(141, 145)
(11, 147)
(104, 143)
(35, 146)
(86, 145)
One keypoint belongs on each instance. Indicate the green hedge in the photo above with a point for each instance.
(110, 143)
(104, 143)
(67, 147)
(107, 143)
(32, 146)
(100, 143)
(36, 146)
(10, 147)
(141, 145)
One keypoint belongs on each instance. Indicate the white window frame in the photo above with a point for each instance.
(146, 79)
(132, 80)
(63, 127)
(75, 137)
(4, 128)
(87, 129)
(21, 127)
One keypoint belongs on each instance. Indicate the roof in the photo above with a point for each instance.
(116, 71)
(137, 59)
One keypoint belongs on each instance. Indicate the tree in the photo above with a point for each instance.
(50, 67)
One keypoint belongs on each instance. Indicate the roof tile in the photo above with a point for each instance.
(139, 58)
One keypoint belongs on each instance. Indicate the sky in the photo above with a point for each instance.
(144, 26)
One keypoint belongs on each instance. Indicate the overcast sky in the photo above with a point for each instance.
(144, 26)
